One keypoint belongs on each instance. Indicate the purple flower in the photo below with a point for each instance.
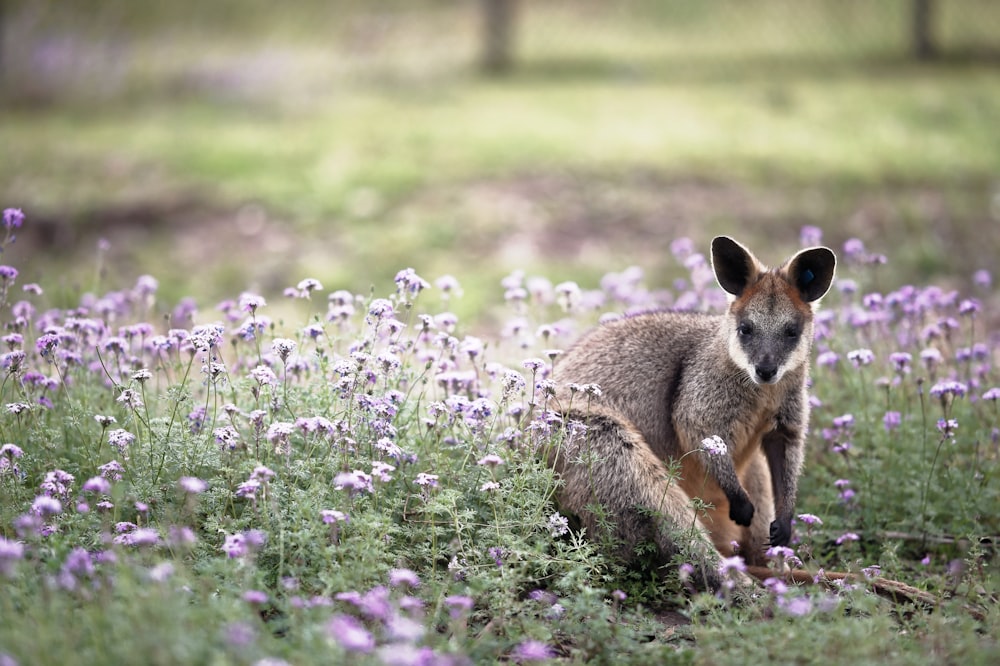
(46, 343)
(490, 460)
(993, 394)
(192, 485)
(240, 634)
(235, 546)
(780, 553)
(331, 516)
(10, 553)
(969, 307)
(795, 606)
(398, 577)
(381, 471)
(375, 603)
(448, 284)
(731, 564)
(255, 597)
(57, 483)
(143, 536)
(380, 308)
(350, 634)
(355, 482)
(558, 525)
(953, 388)
(182, 537)
(98, 485)
(11, 451)
(309, 285)
(810, 236)
(828, 359)
(931, 357)
(13, 218)
(860, 357)
(891, 420)
(130, 398)
(681, 248)
(112, 470)
(428, 480)
(408, 282)
(249, 302)
(854, 248)
(283, 347)
(947, 427)
(248, 488)
(264, 375)
(532, 650)
(120, 440)
(458, 604)
(847, 536)
(776, 586)
(227, 437)
(843, 422)
(161, 572)
(406, 631)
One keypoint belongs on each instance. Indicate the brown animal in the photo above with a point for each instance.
(669, 383)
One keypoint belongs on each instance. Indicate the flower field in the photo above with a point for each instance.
(319, 476)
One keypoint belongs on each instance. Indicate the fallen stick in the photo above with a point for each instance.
(895, 591)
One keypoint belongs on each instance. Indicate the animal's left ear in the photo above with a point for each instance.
(811, 271)
(735, 266)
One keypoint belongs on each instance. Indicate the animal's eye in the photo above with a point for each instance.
(745, 328)
(792, 332)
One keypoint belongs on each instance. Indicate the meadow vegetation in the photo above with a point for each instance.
(235, 428)
(211, 485)
(344, 140)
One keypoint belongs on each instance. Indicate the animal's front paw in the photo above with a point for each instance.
(741, 509)
(781, 532)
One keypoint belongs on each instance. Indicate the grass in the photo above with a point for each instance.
(342, 143)
(246, 150)
(362, 482)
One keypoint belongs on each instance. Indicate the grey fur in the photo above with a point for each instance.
(670, 380)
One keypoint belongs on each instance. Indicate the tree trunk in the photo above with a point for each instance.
(498, 34)
(923, 39)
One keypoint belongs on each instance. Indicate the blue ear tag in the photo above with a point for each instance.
(806, 277)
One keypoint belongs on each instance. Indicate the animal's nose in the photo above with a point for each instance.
(766, 371)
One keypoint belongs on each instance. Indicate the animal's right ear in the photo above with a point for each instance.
(735, 266)
(812, 271)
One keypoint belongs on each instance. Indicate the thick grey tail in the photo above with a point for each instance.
(624, 494)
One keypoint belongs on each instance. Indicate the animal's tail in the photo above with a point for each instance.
(895, 591)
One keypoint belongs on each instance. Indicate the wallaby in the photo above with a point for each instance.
(667, 382)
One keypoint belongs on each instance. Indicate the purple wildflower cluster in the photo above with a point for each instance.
(393, 624)
(377, 417)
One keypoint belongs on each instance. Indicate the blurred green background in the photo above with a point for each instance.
(230, 144)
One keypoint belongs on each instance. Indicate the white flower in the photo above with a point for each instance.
(714, 446)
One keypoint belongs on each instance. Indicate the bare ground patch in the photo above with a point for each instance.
(603, 221)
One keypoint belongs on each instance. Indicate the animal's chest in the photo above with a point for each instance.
(749, 431)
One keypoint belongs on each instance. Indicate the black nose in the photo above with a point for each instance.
(766, 371)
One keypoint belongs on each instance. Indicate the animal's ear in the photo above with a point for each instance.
(735, 266)
(811, 271)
